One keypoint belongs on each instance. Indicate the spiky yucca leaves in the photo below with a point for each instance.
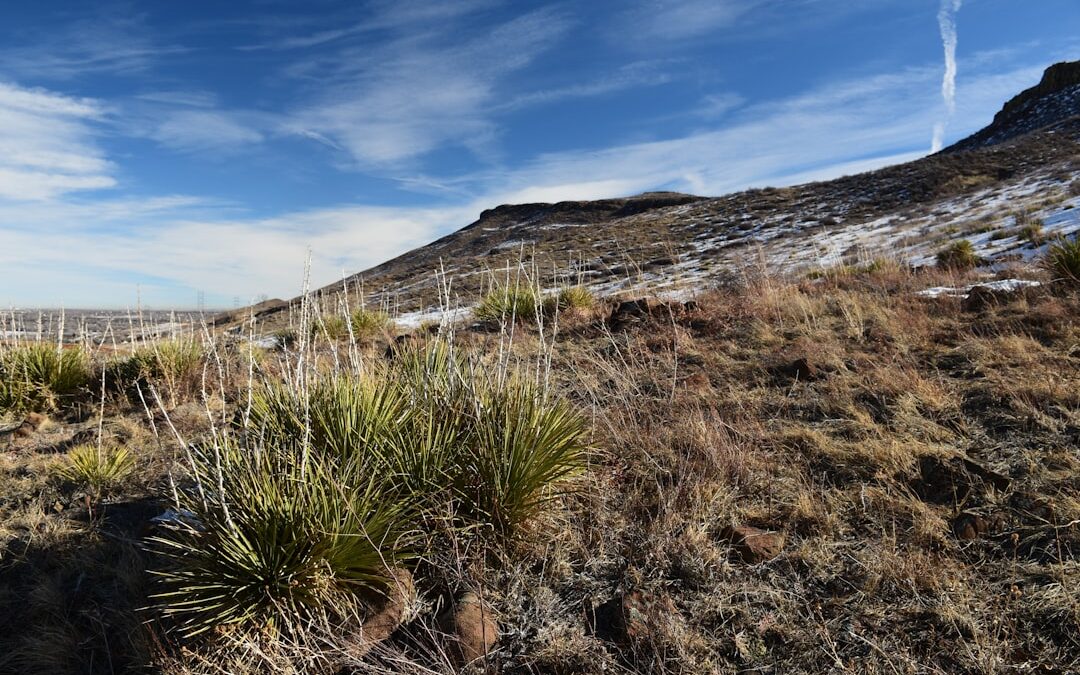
(509, 303)
(570, 298)
(40, 376)
(524, 444)
(333, 327)
(283, 541)
(343, 417)
(369, 323)
(959, 255)
(175, 363)
(98, 470)
(1063, 260)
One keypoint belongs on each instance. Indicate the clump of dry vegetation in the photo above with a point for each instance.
(1063, 261)
(833, 475)
(959, 255)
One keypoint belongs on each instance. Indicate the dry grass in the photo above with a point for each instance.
(916, 419)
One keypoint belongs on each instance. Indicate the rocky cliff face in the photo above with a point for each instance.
(1055, 99)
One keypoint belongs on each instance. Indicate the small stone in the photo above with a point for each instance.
(803, 370)
(387, 615)
(471, 627)
(969, 526)
(753, 545)
(629, 311)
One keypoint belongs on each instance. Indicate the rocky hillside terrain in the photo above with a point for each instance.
(1022, 168)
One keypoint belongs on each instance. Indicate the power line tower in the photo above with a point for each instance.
(200, 302)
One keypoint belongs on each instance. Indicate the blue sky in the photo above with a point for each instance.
(155, 150)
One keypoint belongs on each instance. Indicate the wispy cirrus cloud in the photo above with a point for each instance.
(47, 144)
(631, 76)
(415, 94)
(680, 19)
(105, 42)
(376, 15)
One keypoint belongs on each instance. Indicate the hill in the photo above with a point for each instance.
(1022, 167)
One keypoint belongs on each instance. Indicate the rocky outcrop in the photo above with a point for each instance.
(1056, 98)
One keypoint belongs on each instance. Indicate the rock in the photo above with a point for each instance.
(630, 311)
(633, 617)
(698, 382)
(969, 526)
(952, 480)
(471, 626)
(980, 298)
(754, 545)
(801, 370)
(387, 615)
(26, 428)
(402, 343)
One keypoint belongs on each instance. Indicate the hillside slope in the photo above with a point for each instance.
(1020, 169)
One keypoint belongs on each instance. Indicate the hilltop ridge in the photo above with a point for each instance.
(1025, 160)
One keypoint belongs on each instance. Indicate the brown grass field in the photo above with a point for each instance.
(911, 464)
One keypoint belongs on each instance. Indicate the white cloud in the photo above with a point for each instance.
(391, 103)
(101, 41)
(682, 19)
(47, 144)
(204, 130)
(632, 76)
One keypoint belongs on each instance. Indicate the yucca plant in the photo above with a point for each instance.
(509, 303)
(332, 327)
(97, 470)
(959, 255)
(524, 445)
(40, 376)
(282, 541)
(1062, 260)
(175, 364)
(570, 298)
(369, 323)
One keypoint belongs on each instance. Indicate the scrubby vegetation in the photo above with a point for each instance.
(777, 476)
(97, 470)
(368, 324)
(40, 376)
(1063, 260)
(509, 303)
(959, 255)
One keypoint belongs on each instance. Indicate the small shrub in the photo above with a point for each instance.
(324, 488)
(1062, 260)
(96, 469)
(570, 298)
(1074, 188)
(40, 376)
(285, 338)
(175, 363)
(1029, 228)
(284, 542)
(959, 255)
(333, 327)
(367, 323)
(524, 445)
(518, 303)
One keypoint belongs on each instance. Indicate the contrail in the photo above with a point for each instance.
(947, 22)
